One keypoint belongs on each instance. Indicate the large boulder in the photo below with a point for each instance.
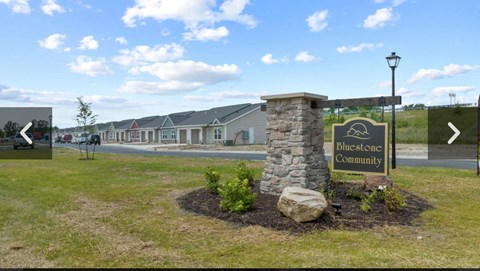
(301, 204)
(372, 182)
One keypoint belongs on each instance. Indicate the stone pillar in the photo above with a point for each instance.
(295, 155)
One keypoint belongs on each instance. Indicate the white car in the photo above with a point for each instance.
(19, 141)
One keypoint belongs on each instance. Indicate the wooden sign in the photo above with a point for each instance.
(360, 145)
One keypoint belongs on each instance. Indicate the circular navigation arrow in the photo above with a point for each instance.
(22, 133)
(455, 135)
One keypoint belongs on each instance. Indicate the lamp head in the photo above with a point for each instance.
(393, 60)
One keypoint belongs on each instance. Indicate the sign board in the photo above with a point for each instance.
(360, 145)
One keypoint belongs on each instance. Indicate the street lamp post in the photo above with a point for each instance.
(393, 60)
(50, 136)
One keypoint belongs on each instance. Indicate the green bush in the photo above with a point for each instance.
(355, 194)
(212, 178)
(337, 177)
(236, 196)
(367, 202)
(393, 199)
(244, 173)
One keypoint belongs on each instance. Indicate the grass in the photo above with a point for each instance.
(411, 126)
(120, 211)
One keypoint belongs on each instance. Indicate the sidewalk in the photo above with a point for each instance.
(416, 151)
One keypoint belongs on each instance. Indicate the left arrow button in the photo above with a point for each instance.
(22, 133)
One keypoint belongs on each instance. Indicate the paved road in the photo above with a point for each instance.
(461, 164)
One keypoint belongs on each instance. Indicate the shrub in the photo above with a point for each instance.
(244, 173)
(393, 199)
(337, 177)
(355, 194)
(328, 194)
(367, 202)
(212, 178)
(236, 196)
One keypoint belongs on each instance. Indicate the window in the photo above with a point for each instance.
(164, 134)
(173, 134)
(217, 133)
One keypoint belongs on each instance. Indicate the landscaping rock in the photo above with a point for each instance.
(372, 182)
(301, 204)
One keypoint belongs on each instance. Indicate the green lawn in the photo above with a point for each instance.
(410, 126)
(120, 211)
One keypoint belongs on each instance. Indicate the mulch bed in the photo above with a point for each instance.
(266, 214)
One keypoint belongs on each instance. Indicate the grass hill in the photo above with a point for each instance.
(411, 126)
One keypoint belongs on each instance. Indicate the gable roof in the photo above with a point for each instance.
(177, 118)
(123, 124)
(240, 113)
(209, 116)
(150, 122)
(103, 126)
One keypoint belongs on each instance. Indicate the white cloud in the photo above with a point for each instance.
(359, 48)
(191, 13)
(90, 67)
(405, 93)
(50, 6)
(220, 96)
(304, 56)
(448, 71)
(268, 59)
(385, 84)
(180, 76)
(121, 40)
(191, 71)
(158, 88)
(102, 99)
(206, 34)
(17, 6)
(317, 21)
(144, 54)
(379, 19)
(394, 2)
(165, 32)
(398, 2)
(88, 43)
(13, 94)
(53, 41)
(442, 91)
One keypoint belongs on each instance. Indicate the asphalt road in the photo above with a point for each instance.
(458, 163)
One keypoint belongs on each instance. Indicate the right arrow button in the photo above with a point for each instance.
(455, 135)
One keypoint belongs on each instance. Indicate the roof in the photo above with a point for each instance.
(239, 113)
(179, 117)
(123, 124)
(150, 122)
(103, 126)
(209, 116)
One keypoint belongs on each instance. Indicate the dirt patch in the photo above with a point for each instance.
(266, 214)
(20, 257)
(92, 218)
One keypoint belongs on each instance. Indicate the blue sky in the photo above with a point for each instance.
(136, 58)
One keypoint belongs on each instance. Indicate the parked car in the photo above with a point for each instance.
(19, 141)
(67, 139)
(58, 139)
(94, 139)
(81, 138)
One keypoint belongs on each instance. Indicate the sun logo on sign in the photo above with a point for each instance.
(358, 130)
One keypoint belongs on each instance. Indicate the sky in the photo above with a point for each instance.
(137, 58)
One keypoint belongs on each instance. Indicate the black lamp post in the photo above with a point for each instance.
(393, 60)
(50, 137)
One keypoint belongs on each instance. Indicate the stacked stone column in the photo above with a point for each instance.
(295, 155)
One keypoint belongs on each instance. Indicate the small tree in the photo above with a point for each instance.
(85, 120)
